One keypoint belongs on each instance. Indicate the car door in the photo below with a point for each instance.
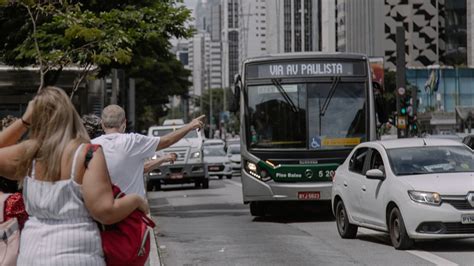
(353, 182)
(372, 191)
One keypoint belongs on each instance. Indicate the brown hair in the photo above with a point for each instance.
(54, 124)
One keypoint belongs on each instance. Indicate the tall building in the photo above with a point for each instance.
(204, 57)
(252, 28)
(328, 26)
(293, 26)
(359, 26)
(435, 30)
(230, 41)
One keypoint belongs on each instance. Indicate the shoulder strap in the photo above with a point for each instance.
(74, 161)
(3, 199)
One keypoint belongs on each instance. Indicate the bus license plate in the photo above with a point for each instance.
(176, 176)
(467, 218)
(308, 195)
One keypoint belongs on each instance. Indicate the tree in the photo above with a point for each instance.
(95, 36)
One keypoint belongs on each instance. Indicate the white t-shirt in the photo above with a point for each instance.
(125, 155)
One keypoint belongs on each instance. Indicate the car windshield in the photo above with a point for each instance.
(324, 115)
(425, 160)
(162, 132)
(234, 149)
(213, 151)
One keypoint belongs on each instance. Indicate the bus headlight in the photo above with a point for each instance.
(252, 167)
(257, 172)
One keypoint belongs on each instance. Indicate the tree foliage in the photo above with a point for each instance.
(97, 36)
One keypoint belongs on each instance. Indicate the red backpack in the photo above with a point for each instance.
(128, 241)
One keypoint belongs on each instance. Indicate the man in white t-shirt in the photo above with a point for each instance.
(125, 154)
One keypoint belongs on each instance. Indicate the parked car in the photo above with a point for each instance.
(233, 152)
(218, 164)
(411, 188)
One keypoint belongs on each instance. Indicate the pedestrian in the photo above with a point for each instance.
(126, 153)
(63, 197)
(7, 185)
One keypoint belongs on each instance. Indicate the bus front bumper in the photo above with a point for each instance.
(256, 190)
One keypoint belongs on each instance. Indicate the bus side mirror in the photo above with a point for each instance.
(235, 101)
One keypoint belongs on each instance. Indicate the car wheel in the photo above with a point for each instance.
(398, 233)
(220, 177)
(229, 177)
(205, 183)
(257, 208)
(158, 186)
(344, 227)
(197, 184)
(150, 186)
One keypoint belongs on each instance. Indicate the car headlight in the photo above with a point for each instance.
(196, 155)
(431, 198)
(154, 157)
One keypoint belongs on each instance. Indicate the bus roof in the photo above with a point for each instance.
(305, 55)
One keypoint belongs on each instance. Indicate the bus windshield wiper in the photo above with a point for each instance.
(285, 95)
(325, 106)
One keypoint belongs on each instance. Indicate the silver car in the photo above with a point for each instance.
(233, 152)
(410, 188)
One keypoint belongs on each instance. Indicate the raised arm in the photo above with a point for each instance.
(98, 196)
(152, 164)
(10, 159)
(175, 136)
(12, 134)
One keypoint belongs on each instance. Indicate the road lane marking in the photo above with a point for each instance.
(235, 183)
(431, 257)
(437, 260)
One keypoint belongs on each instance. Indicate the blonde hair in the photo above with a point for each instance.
(54, 124)
(113, 116)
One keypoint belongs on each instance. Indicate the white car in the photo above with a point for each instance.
(218, 164)
(410, 188)
(233, 152)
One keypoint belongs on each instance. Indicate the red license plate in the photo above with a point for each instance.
(176, 176)
(308, 195)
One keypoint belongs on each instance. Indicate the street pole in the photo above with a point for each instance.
(210, 100)
(401, 118)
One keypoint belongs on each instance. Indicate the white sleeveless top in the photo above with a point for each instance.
(60, 230)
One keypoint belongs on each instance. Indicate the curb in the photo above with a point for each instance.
(154, 254)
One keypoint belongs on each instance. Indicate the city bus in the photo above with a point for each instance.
(301, 114)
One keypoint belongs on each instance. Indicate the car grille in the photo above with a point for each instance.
(458, 228)
(460, 204)
(181, 154)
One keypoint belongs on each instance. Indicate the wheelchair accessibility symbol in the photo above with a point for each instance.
(315, 143)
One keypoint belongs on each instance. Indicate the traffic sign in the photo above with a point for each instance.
(402, 122)
(401, 91)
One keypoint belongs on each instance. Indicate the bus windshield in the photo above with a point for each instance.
(324, 115)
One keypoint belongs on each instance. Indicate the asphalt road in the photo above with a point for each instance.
(213, 227)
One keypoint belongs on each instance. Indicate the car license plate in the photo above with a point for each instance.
(308, 195)
(467, 218)
(214, 168)
(176, 176)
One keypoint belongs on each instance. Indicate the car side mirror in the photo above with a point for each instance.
(375, 174)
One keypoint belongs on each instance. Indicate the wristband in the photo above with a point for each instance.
(26, 124)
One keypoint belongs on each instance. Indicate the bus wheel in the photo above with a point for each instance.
(257, 208)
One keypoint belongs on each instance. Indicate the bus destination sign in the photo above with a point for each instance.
(305, 69)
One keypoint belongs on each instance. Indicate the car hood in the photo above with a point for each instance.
(444, 184)
(235, 158)
(215, 159)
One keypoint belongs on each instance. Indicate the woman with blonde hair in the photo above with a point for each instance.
(62, 195)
